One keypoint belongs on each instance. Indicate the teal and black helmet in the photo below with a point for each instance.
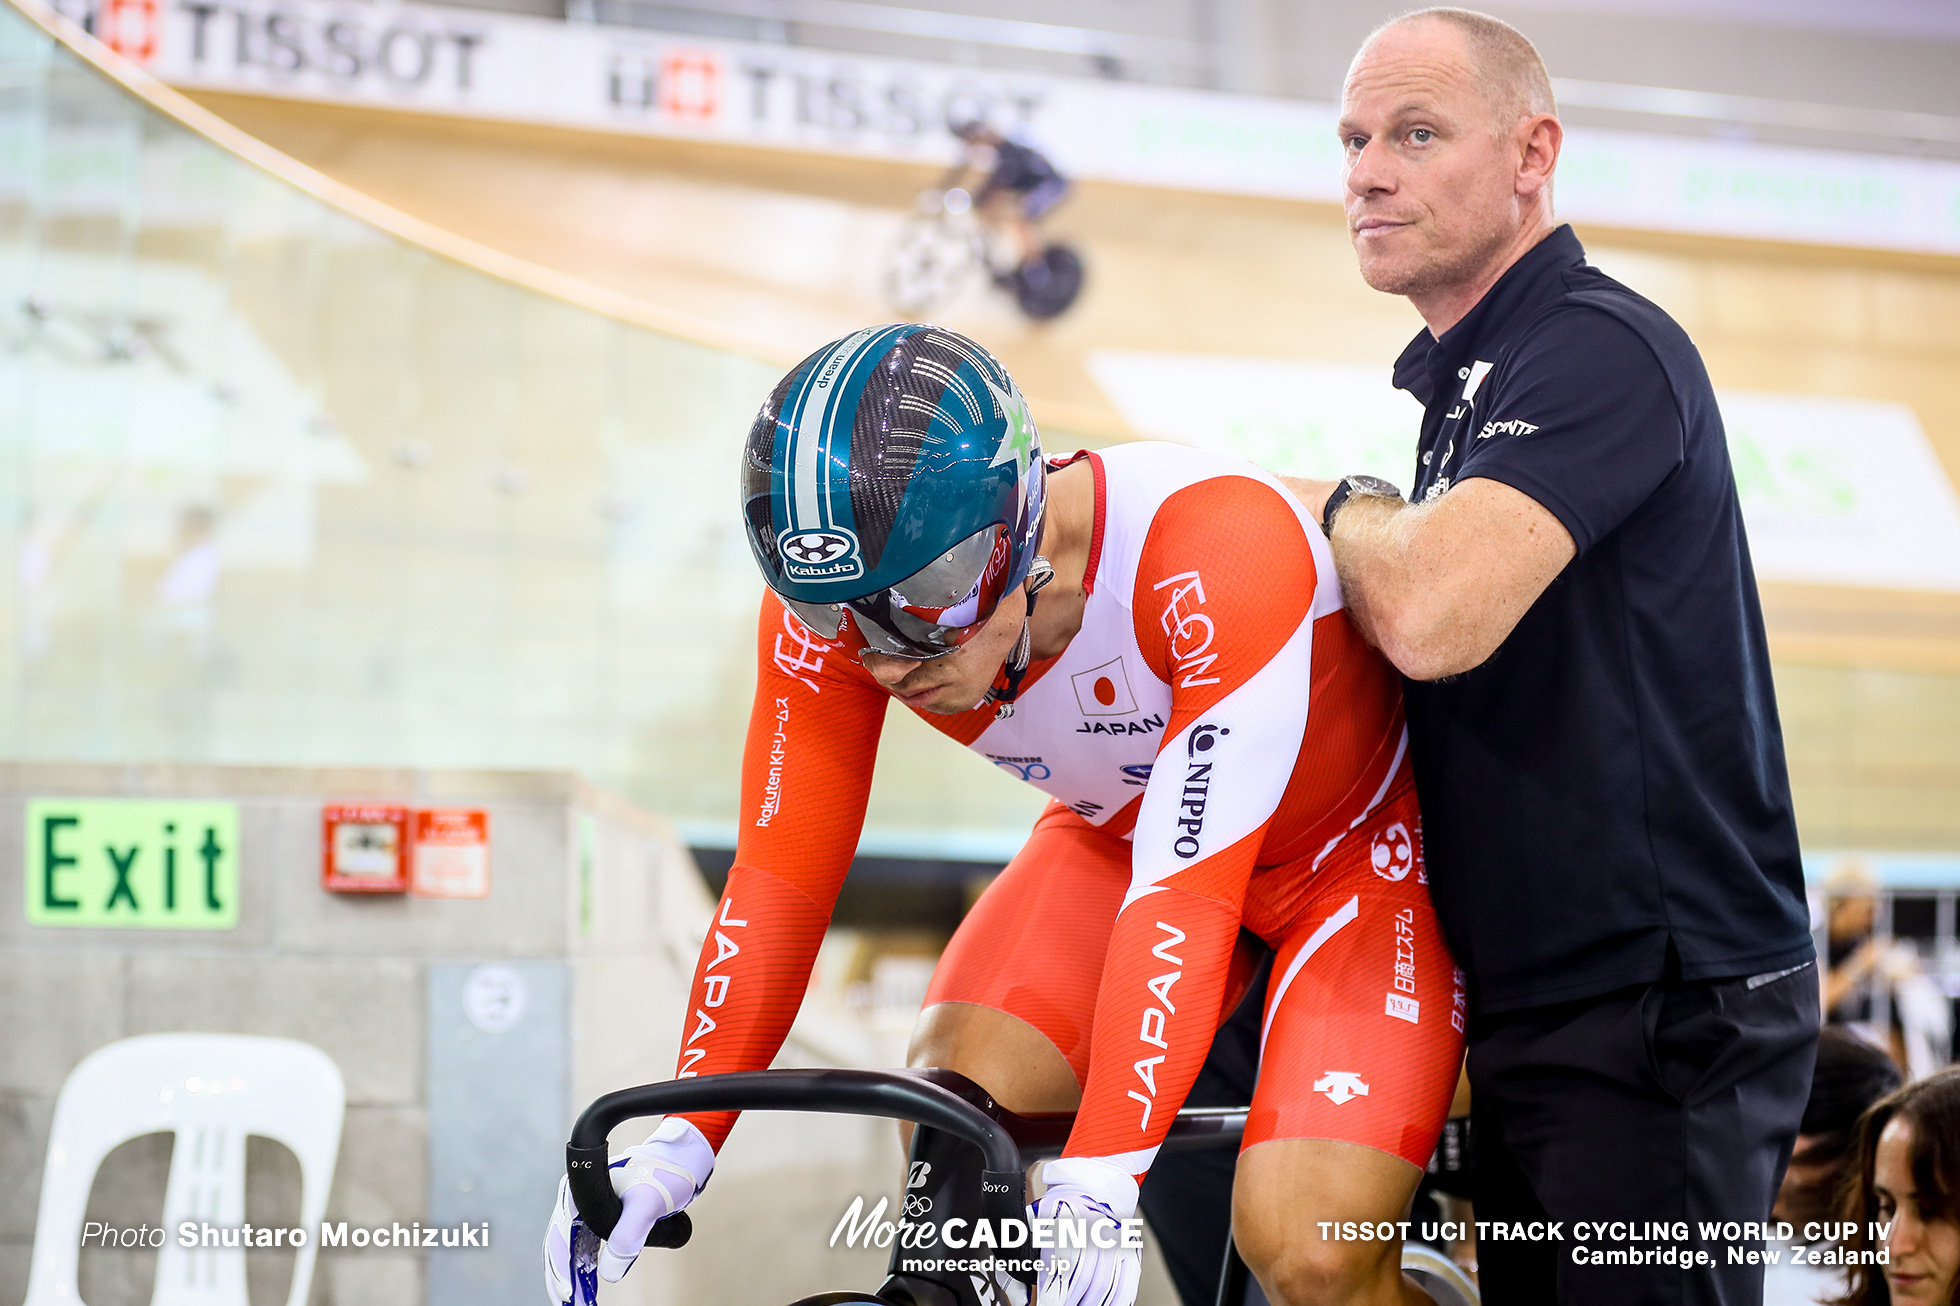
(893, 488)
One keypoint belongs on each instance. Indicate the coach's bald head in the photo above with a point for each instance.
(1451, 135)
(1504, 65)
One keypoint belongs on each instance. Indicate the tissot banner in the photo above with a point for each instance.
(447, 60)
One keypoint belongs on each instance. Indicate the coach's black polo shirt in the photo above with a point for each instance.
(1612, 780)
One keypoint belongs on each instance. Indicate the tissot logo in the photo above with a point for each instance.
(820, 555)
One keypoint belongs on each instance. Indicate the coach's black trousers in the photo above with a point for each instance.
(1673, 1102)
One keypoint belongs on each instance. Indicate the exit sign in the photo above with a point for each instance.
(114, 863)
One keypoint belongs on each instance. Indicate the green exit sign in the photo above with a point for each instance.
(112, 863)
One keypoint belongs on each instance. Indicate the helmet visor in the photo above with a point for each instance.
(930, 613)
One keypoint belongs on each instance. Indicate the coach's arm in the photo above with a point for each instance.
(1437, 586)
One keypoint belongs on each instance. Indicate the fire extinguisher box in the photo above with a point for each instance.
(365, 849)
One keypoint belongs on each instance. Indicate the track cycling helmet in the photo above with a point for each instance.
(892, 488)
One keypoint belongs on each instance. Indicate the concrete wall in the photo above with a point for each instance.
(592, 903)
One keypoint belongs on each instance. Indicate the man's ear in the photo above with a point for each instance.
(1539, 140)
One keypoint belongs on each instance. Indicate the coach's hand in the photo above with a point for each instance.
(1090, 1191)
(654, 1180)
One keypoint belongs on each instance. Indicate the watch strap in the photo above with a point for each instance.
(1342, 491)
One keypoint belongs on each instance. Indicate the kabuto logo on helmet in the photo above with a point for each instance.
(827, 554)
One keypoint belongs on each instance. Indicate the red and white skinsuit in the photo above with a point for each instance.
(1223, 750)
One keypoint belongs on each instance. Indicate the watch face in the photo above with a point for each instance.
(1372, 485)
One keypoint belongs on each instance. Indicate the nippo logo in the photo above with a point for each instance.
(829, 554)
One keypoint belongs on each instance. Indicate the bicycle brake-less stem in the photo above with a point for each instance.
(894, 1094)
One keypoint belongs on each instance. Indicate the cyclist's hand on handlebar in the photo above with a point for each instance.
(654, 1180)
(1083, 1189)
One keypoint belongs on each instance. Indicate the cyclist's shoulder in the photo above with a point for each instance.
(1171, 509)
(1160, 488)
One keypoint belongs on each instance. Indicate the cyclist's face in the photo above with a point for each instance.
(958, 681)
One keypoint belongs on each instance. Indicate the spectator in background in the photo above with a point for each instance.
(1850, 913)
(1908, 1177)
(1876, 984)
(1851, 1075)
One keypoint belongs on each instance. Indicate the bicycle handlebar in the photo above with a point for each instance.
(895, 1094)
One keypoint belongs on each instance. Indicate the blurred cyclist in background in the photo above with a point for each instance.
(1022, 187)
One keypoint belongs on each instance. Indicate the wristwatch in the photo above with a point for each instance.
(1368, 487)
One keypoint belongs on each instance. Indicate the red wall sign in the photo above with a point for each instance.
(365, 849)
(451, 854)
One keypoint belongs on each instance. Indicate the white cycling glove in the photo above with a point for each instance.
(1083, 1189)
(653, 1180)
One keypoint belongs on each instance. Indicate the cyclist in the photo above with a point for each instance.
(1151, 625)
(1021, 189)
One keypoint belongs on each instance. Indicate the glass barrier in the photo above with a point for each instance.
(279, 488)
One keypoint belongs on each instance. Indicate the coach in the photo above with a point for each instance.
(1569, 596)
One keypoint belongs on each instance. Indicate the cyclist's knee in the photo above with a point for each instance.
(1002, 1053)
(1304, 1270)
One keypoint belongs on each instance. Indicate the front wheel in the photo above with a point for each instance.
(932, 255)
(1439, 1276)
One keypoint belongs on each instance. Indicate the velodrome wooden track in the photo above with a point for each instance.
(783, 250)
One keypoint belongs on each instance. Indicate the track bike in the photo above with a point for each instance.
(969, 1160)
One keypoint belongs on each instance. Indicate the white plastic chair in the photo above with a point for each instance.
(211, 1090)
